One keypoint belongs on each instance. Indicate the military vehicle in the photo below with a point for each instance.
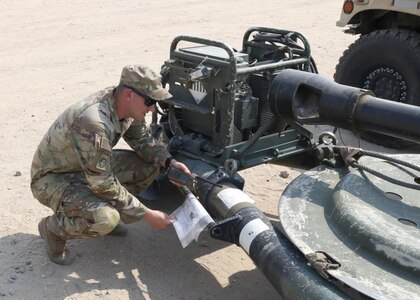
(349, 226)
(386, 57)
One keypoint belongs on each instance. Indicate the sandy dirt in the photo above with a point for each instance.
(54, 53)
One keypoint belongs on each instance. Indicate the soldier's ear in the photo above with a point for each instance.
(128, 93)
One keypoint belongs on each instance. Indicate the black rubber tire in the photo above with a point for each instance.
(388, 63)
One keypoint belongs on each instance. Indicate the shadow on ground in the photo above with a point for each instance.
(147, 264)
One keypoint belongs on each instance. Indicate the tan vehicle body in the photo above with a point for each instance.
(411, 7)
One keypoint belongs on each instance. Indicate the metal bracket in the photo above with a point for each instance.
(322, 262)
(225, 230)
(301, 130)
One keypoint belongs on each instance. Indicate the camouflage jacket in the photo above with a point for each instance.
(81, 140)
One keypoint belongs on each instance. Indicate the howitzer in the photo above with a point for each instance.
(345, 232)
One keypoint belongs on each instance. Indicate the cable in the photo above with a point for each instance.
(389, 158)
(355, 164)
(360, 152)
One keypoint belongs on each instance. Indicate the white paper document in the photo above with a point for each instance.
(190, 219)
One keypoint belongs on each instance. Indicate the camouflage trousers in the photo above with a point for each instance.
(81, 214)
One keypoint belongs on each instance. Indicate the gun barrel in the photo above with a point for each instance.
(278, 259)
(312, 99)
(269, 249)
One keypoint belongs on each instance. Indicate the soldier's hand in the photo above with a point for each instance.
(179, 165)
(158, 219)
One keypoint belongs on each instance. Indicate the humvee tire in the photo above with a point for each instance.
(386, 62)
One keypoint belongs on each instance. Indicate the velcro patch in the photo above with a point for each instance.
(105, 144)
(102, 143)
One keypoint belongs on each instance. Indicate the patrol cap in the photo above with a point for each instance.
(142, 78)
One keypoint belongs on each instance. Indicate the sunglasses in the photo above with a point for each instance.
(148, 101)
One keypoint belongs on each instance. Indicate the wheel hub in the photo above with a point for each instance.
(387, 83)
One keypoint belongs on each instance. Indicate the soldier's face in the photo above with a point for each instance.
(138, 108)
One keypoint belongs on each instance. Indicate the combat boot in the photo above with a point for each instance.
(56, 246)
(119, 230)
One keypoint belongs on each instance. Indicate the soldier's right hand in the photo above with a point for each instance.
(158, 219)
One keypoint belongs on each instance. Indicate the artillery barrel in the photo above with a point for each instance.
(312, 99)
(242, 223)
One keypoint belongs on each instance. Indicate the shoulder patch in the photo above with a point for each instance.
(103, 163)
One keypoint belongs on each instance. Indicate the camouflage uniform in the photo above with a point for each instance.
(76, 173)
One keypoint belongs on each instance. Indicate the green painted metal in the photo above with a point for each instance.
(344, 232)
(366, 224)
(220, 96)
